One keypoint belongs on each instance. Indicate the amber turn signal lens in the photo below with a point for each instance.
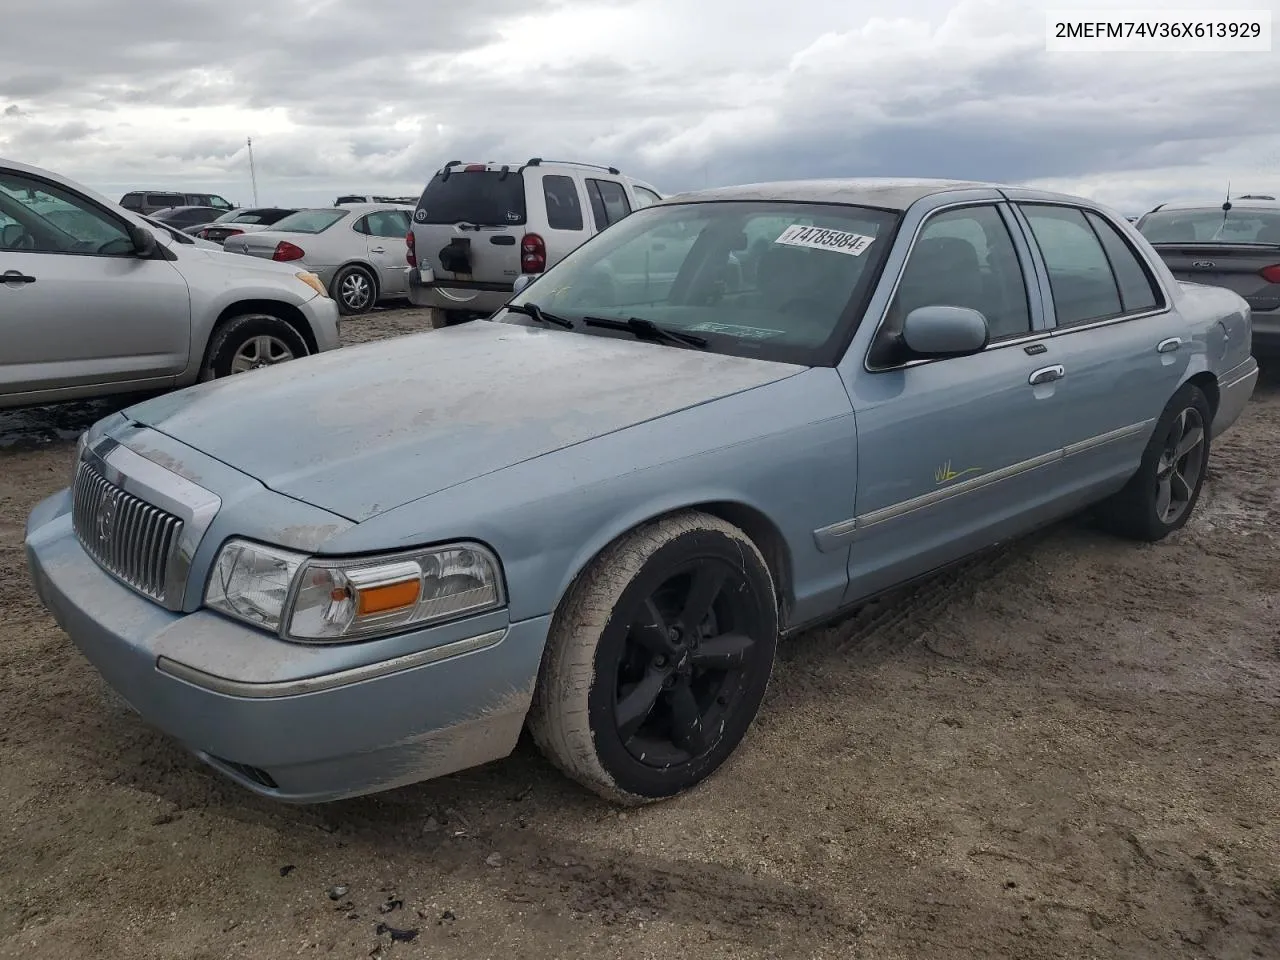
(392, 596)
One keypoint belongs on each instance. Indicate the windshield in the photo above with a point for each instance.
(779, 281)
(310, 221)
(1211, 225)
(487, 198)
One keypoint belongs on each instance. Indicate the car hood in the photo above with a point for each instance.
(365, 429)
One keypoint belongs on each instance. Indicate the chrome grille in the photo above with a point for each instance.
(128, 537)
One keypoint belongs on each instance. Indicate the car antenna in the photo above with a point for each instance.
(1226, 206)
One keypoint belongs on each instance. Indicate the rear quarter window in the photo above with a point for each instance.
(486, 198)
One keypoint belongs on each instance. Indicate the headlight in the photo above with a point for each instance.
(312, 281)
(334, 600)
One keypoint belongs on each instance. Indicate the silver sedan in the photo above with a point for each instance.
(357, 251)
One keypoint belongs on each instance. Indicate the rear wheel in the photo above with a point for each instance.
(355, 290)
(1162, 494)
(658, 659)
(252, 341)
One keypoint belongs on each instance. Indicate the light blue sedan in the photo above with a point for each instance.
(728, 417)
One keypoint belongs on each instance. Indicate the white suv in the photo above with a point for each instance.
(480, 226)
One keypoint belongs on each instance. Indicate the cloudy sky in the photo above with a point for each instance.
(373, 95)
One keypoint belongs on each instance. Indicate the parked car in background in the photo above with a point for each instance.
(245, 220)
(149, 201)
(357, 251)
(183, 217)
(598, 511)
(1234, 245)
(94, 302)
(362, 198)
(478, 226)
(178, 236)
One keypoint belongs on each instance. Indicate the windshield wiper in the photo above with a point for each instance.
(537, 313)
(644, 329)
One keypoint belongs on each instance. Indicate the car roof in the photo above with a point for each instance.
(1237, 203)
(885, 192)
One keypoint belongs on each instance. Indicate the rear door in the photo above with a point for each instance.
(384, 232)
(469, 223)
(1121, 349)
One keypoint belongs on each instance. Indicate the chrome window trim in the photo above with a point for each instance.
(163, 488)
(1001, 207)
(328, 681)
(839, 534)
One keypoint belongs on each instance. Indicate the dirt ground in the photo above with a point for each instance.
(1068, 750)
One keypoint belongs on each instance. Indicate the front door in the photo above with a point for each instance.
(956, 453)
(78, 308)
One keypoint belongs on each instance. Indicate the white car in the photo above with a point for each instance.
(96, 300)
(480, 226)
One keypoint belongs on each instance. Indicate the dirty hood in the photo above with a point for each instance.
(364, 429)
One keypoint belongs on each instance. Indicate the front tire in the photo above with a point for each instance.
(251, 341)
(355, 291)
(1162, 494)
(658, 659)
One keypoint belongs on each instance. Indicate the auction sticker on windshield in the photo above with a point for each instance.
(733, 329)
(822, 238)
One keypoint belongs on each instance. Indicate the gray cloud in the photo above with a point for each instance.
(340, 94)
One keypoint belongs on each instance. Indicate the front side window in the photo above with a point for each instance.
(774, 280)
(310, 221)
(609, 202)
(644, 198)
(219, 202)
(1080, 277)
(564, 208)
(49, 219)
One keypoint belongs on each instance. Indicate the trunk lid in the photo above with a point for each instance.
(1236, 266)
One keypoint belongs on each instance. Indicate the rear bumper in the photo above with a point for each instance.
(481, 298)
(1266, 332)
(1235, 387)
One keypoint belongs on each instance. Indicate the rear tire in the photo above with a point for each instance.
(355, 290)
(251, 341)
(1162, 494)
(657, 660)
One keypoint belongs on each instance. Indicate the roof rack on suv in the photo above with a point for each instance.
(538, 161)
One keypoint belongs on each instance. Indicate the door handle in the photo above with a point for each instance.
(14, 276)
(1169, 345)
(1047, 375)
(377, 250)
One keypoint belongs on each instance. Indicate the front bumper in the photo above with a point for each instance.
(426, 291)
(323, 317)
(451, 698)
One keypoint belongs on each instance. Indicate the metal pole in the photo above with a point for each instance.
(253, 173)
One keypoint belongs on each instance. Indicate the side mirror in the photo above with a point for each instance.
(941, 331)
(10, 235)
(523, 281)
(144, 241)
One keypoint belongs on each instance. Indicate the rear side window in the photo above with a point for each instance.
(310, 221)
(165, 200)
(486, 198)
(1137, 292)
(564, 208)
(132, 201)
(1080, 277)
(609, 202)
